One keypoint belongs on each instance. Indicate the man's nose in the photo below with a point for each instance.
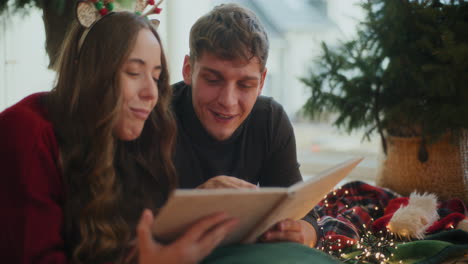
(228, 95)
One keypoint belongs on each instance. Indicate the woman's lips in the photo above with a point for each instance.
(140, 113)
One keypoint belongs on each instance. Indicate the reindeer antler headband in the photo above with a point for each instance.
(89, 12)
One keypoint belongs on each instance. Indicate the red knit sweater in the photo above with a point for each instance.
(31, 190)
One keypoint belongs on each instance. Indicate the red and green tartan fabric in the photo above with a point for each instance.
(357, 206)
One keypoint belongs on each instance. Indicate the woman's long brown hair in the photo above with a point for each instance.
(108, 181)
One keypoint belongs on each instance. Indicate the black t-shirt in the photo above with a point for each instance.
(261, 151)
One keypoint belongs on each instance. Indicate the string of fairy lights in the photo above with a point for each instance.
(362, 245)
(369, 248)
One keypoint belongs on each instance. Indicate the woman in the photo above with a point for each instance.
(81, 163)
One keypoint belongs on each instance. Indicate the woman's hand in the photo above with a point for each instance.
(224, 181)
(299, 231)
(192, 247)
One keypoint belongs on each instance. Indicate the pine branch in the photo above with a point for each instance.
(404, 72)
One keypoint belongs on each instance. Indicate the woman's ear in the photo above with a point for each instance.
(187, 70)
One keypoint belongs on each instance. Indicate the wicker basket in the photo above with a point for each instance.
(445, 173)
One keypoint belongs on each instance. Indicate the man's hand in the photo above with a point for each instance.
(223, 181)
(298, 231)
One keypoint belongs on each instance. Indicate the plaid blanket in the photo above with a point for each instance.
(355, 207)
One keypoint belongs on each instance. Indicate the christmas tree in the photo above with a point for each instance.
(405, 73)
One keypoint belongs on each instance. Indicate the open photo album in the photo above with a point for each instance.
(257, 209)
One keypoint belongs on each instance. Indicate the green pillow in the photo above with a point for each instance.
(271, 253)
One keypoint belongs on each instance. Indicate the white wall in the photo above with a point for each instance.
(23, 60)
(346, 14)
(181, 15)
(302, 48)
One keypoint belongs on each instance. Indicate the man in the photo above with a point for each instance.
(228, 135)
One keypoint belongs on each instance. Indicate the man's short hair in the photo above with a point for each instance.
(229, 31)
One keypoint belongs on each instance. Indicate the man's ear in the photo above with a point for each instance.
(262, 80)
(187, 70)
